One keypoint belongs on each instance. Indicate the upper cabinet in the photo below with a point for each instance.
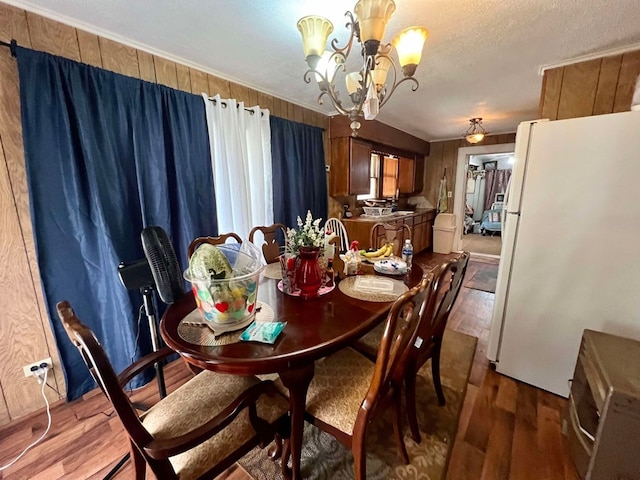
(399, 168)
(350, 167)
(411, 174)
(406, 175)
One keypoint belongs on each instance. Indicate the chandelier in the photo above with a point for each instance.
(476, 132)
(370, 87)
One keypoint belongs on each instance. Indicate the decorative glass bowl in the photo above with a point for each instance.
(230, 300)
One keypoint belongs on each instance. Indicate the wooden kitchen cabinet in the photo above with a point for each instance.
(406, 175)
(350, 167)
(603, 414)
(419, 240)
(418, 175)
(411, 174)
(420, 223)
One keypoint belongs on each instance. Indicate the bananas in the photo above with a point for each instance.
(384, 251)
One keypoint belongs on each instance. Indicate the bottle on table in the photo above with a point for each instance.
(407, 253)
(329, 273)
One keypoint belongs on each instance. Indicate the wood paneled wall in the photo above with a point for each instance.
(445, 155)
(25, 331)
(594, 87)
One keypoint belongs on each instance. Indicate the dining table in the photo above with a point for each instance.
(315, 328)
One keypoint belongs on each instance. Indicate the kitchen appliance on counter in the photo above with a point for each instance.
(570, 258)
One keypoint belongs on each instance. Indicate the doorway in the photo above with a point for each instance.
(481, 181)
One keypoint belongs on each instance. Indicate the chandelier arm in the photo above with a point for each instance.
(337, 104)
(395, 85)
(352, 25)
(366, 79)
(307, 75)
(326, 88)
(338, 60)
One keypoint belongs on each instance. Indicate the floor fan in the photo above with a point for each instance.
(158, 271)
(167, 280)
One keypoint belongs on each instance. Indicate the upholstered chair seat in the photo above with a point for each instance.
(197, 402)
(348, 390)
(340, 383)
(195, 432)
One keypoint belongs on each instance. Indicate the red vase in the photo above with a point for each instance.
(308, 273)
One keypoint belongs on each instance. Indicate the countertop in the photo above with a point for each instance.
(393, 216)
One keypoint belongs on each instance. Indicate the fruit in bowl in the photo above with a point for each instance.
(224, 281)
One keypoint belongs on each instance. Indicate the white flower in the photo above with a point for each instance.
(308, 234)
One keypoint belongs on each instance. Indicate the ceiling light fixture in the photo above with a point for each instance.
(476, 132)
(369, 88)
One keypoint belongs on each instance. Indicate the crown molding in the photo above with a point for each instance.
(591, 56)
(146, 48)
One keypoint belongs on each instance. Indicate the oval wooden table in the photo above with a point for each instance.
(315, 328)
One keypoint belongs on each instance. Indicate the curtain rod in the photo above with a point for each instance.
(224, 105)
(12, 46)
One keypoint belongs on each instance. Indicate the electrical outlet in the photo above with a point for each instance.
(449, 194)
(27, 368)
(327, 168)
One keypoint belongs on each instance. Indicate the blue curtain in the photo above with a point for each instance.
(107, 155)
(299, 178)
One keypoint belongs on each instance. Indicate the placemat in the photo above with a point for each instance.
(273, 270)
(193, 329)
(372, 288)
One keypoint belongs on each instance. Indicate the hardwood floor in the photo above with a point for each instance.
(508, 430)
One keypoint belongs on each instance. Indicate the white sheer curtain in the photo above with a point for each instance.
(240, 140)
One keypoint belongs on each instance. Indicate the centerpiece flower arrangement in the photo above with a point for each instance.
(308, 235)
(303, 247)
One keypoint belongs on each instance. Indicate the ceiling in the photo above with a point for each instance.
(482, 58)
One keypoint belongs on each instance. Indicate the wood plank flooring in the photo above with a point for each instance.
(508, 430)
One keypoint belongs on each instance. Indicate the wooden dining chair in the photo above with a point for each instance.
(195, 432)
(382, 233)
(427, 343)
(334, 225)
(272, 245)
(348, 391)
(220, 239)
(427, 339)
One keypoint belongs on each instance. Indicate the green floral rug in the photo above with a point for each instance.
(323, 458)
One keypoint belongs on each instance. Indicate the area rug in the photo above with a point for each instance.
(323, 458)
(484, 279)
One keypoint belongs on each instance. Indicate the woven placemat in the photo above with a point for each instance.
(193, 329)
(273, 270)
(372, 288)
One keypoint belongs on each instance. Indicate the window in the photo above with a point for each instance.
(374, 178)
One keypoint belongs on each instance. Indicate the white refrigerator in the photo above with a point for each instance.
(570, 255)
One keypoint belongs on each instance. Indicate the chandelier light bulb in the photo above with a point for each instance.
(409, 43)
(315, 31)
(380, 73)
(373, 16)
